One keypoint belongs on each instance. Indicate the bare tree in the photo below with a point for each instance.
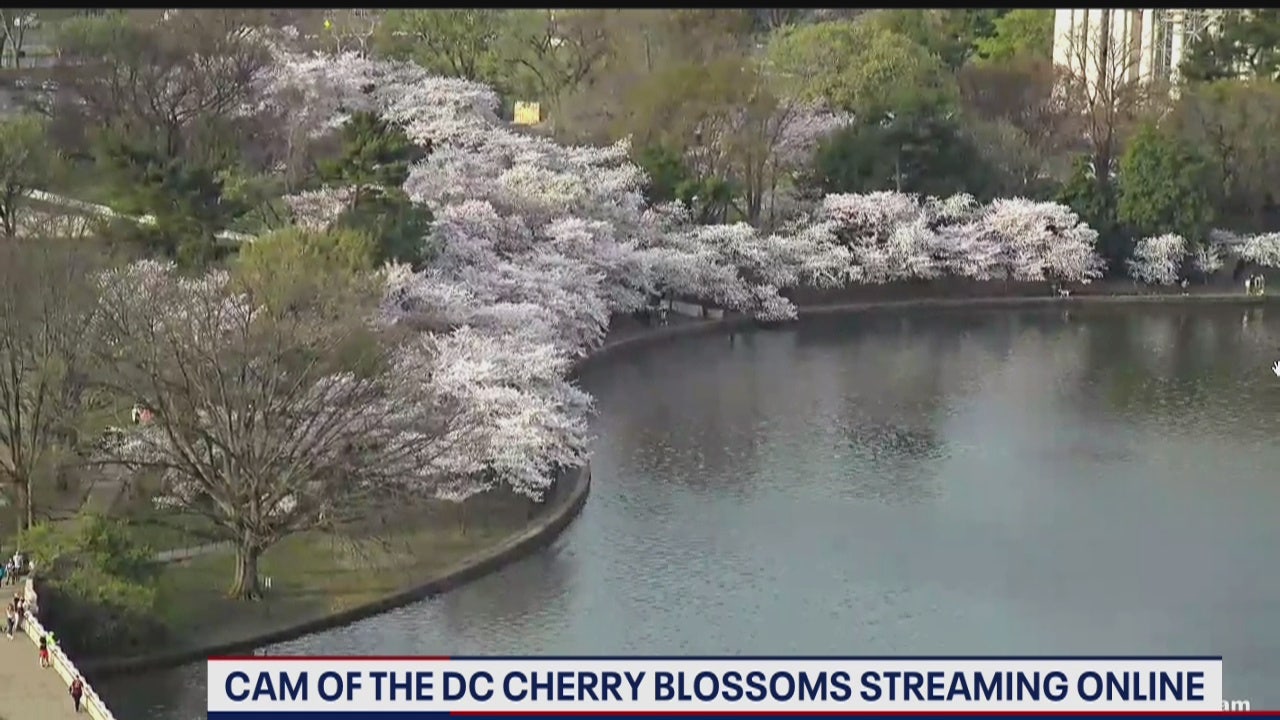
(770, 19)
(1103, 86)
(162, 78)
(351, 30)
(637, 53)
(761, 125)
(730, 125)
(1025, 93)
(1024, 124)
(14, 25)
(457, 43)
(273, 414)
(47, 306)
(560, 50)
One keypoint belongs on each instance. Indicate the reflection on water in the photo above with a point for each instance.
(1058, 482)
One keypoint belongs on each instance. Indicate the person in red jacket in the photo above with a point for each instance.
(77, 692)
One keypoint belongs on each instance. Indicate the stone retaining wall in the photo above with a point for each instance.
(572, 493)
(91, 704)
(566, 501)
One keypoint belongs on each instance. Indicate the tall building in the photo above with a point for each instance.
(1143, 45)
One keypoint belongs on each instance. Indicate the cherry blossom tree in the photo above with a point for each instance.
(1043, 241)
(895, 236)
(539, 244)
(270, 421)
(523, 204)
(320, 209)
(1208, 259)
(521, 420)
(1263, 249)
(886, 232)
(802, 128)
(1157, 260)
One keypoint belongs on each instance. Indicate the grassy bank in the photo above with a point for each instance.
(161, 529)
(313, 576)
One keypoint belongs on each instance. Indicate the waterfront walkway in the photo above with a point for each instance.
(28, 690)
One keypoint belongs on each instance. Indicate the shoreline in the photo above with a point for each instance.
(1202, 298)
(691, 326)
(545, 528)
(575, 486)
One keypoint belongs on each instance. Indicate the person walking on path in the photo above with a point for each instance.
(10, 619)
(77, 692)
(44, 651)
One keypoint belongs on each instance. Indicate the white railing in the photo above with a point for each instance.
(90, 702)
(103, 211)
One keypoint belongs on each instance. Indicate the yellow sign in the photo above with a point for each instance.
(528, 113)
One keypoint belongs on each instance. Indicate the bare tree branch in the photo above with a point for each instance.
(1102, 85)
(47, 306)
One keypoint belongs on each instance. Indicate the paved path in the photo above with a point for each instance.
(87, 208)
(186, 553)
(28, 690)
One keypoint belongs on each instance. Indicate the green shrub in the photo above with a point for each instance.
(97, 586)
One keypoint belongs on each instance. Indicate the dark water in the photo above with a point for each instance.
(935, 482)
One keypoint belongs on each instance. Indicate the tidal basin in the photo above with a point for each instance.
(1098, 480)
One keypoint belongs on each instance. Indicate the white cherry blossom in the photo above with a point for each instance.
(1263, 249)
(540, 243)
(1157, 260)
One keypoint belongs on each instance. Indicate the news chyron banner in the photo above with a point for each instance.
(257, 687)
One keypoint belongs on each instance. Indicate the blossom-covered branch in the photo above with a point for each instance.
(1157, 260)
(540, 243)
(266, 421)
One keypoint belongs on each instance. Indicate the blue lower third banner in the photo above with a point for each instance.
(382, 687)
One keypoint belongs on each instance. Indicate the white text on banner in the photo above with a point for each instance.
(713, 684)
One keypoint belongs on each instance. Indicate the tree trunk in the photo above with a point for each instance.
(29, 503)
(25, 510)
(245, 584)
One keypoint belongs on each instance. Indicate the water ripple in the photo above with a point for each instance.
(1099, 481)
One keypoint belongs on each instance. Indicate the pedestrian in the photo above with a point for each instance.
(19, 610)
(44, 651)
(10, 619)
(4, 573)
(77, 691)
